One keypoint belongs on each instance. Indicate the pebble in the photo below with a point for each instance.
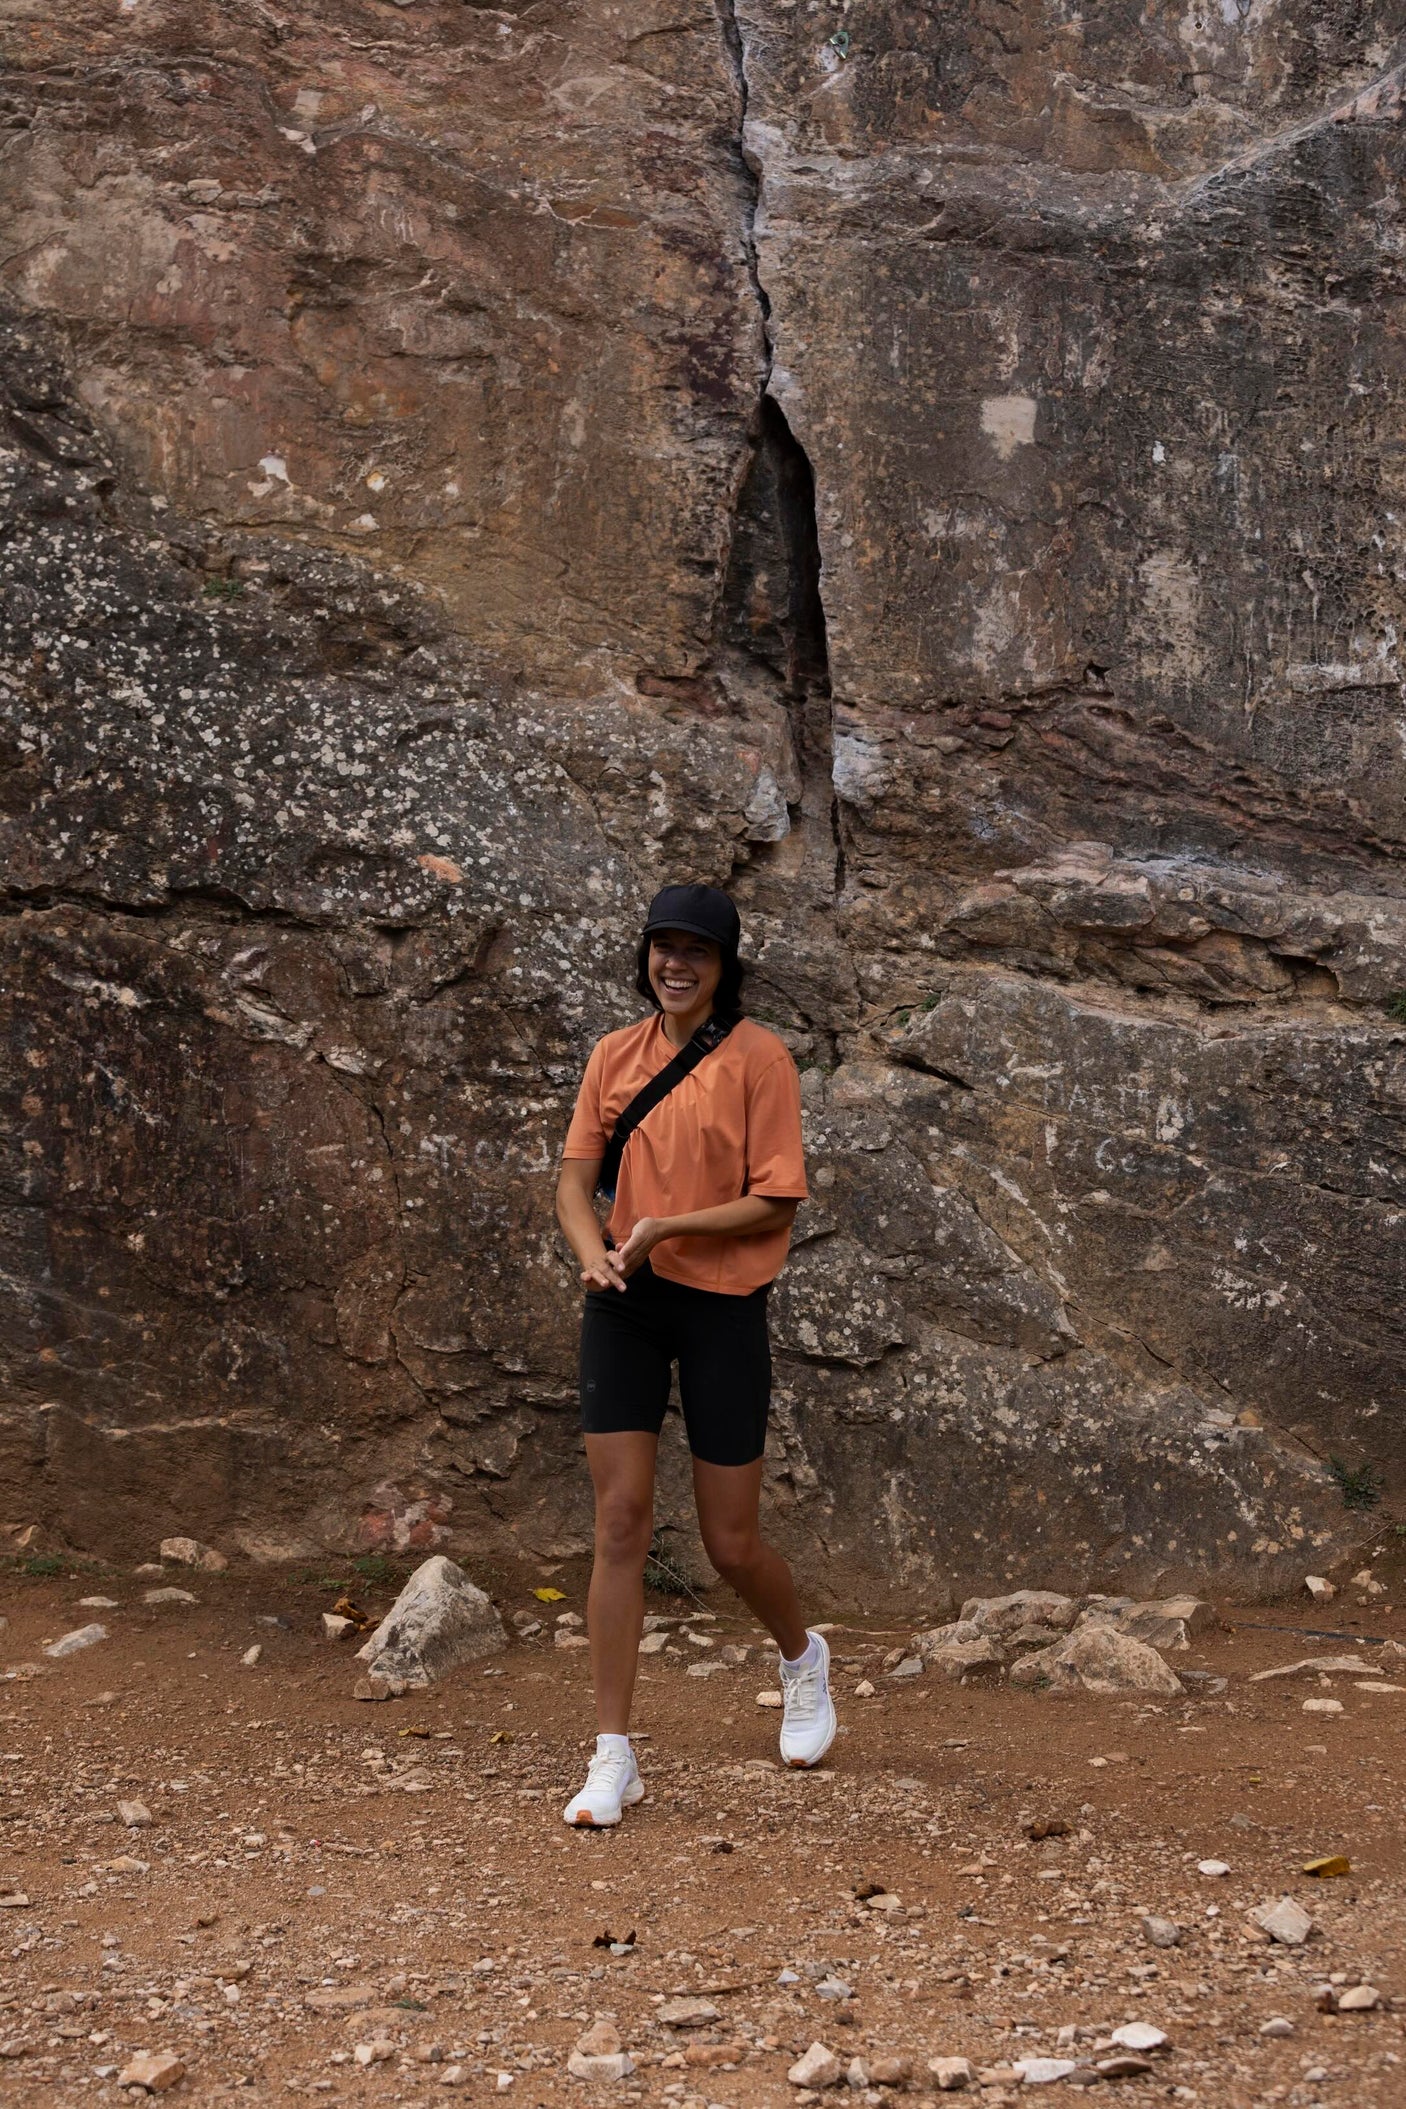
(335, 1627)
(70, 1643)
(339, 1999)
(605, 2065)
(376, 2052)
(865, 1690)
(1278, 2026)
(1162, 1933)
(1138, 2035)
(1285, 1920)
(98, 1603)
(135, 1814)
(911, 1666)
(152, 2070)
(1323, 1706)
(687, 2013)
(251, 1655)
(189, 1552)
(1360, 1999)
(1213, 1867)
(890, 2071)
(768, 1698)
(654, 1643)
(600, 2040)
(951, 2074)
(818, 2067)
(1042, 2072)
(168, 1596)
(834, 1988)
(1319, 1588)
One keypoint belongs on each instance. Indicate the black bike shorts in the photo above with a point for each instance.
(629, 1341)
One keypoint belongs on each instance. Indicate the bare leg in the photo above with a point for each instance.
(622, 1470)
(728, 1498)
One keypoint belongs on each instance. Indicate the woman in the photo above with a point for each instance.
(703, 1202)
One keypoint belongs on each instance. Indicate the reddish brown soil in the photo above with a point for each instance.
(289, 1847)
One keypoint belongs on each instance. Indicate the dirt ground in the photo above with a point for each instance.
(320, 1875)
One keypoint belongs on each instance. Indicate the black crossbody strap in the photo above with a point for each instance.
(708, 1036)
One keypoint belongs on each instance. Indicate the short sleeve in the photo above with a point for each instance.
(776, 1164)
(586, 1137)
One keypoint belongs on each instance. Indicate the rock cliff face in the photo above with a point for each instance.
(932, 468)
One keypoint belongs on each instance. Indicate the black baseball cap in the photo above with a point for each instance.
(704, 911)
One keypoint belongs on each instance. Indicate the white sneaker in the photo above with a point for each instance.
(808, 1724)
(613, 1783)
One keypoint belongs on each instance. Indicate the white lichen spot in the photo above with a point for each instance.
(1008, 421)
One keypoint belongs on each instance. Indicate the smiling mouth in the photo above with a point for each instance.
(678, 988)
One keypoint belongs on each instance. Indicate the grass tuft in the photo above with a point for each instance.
(1361, 1486)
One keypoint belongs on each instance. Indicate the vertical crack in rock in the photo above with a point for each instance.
(772, 610)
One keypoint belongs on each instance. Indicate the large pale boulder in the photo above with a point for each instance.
(439, 1619)
(997, 1616)
(1168, 1624)
(1096, 1658)
(960, 1650)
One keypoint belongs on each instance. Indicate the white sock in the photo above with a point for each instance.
(613, 1746)
(804, 1660)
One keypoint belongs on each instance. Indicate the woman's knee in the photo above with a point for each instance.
(624, 1527)
(732, 1548)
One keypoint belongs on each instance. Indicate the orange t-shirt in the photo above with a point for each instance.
(732, 1127)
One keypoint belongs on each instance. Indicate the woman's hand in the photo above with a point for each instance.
(603, 1273)
(647, 1233)
(576, 1213)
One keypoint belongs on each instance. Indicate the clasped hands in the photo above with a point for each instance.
(615, 1266)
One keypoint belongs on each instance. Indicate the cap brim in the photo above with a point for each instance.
(693, 929)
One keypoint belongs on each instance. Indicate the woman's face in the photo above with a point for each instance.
(684, 971)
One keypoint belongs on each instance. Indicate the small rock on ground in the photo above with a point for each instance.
(154, 2070)
(951, 2074)
(70, 1643)
(818, 2067)
(440, 1618)
(1283, 1919)
(189, 1552)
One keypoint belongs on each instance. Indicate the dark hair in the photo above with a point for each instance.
(727, 1000)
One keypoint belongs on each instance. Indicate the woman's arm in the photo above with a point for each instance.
(576, 1186)
(730, 1219)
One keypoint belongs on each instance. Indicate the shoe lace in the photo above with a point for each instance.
(605, 1768)
(800, 1691)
